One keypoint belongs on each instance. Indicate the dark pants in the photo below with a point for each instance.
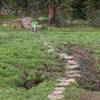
(34, 29)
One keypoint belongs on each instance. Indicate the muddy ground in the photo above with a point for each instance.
(88, 62)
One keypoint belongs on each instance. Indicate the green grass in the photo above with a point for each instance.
(24, 51)
(38, 93)
(8, 16)
(73, 92)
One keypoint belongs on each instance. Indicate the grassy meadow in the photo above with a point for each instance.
(23, 58)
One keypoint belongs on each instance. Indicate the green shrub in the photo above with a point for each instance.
(31, 79)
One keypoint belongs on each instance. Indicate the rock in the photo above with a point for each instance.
(72, 66)
(26, 22)
(73, 75)
(45, 43)
(63, 54)
(73, 72)
(72, 62)
(51, 47)
(39, 26)
(75, 22)
(5, 25)
(51, 51)
(71, 80)
(66, 56)
(59, 88)
(68, 80)
(63, 84)
(55, 97)
(58, 92)
(42, 19)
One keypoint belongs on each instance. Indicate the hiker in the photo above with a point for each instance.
(34, 25)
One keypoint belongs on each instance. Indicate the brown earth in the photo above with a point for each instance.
(86, 58)
(87, 95)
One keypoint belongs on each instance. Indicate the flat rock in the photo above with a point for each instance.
(72, 66)
(26, 22)
(73, 72)
(68, 57)
(51, 51)
(42, 18)
(69, 80)
(59, 88)
(63, 84)
(55, 97)
(73, 75)
(58, 92)
(50, 47)
(72, 62)
(45, 43)
(63, 55)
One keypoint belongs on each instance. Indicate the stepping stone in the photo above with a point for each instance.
(73, 72)
(55, 97)
(72, 62)
(68, 57)
(50, 50)
(72, 66)
(63, 84)
(59, 88)
(73, 75)
(50, 47)
(65, 56)
(45, 44)
(69, 80)
(63, 78)
(57, 92)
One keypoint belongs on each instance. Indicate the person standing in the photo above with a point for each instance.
(34, 25)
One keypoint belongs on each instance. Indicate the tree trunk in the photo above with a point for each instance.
(52, 13)
(0, 7)
(37, 8)
(28, 5)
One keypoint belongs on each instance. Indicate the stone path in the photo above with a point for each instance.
(71, 73)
